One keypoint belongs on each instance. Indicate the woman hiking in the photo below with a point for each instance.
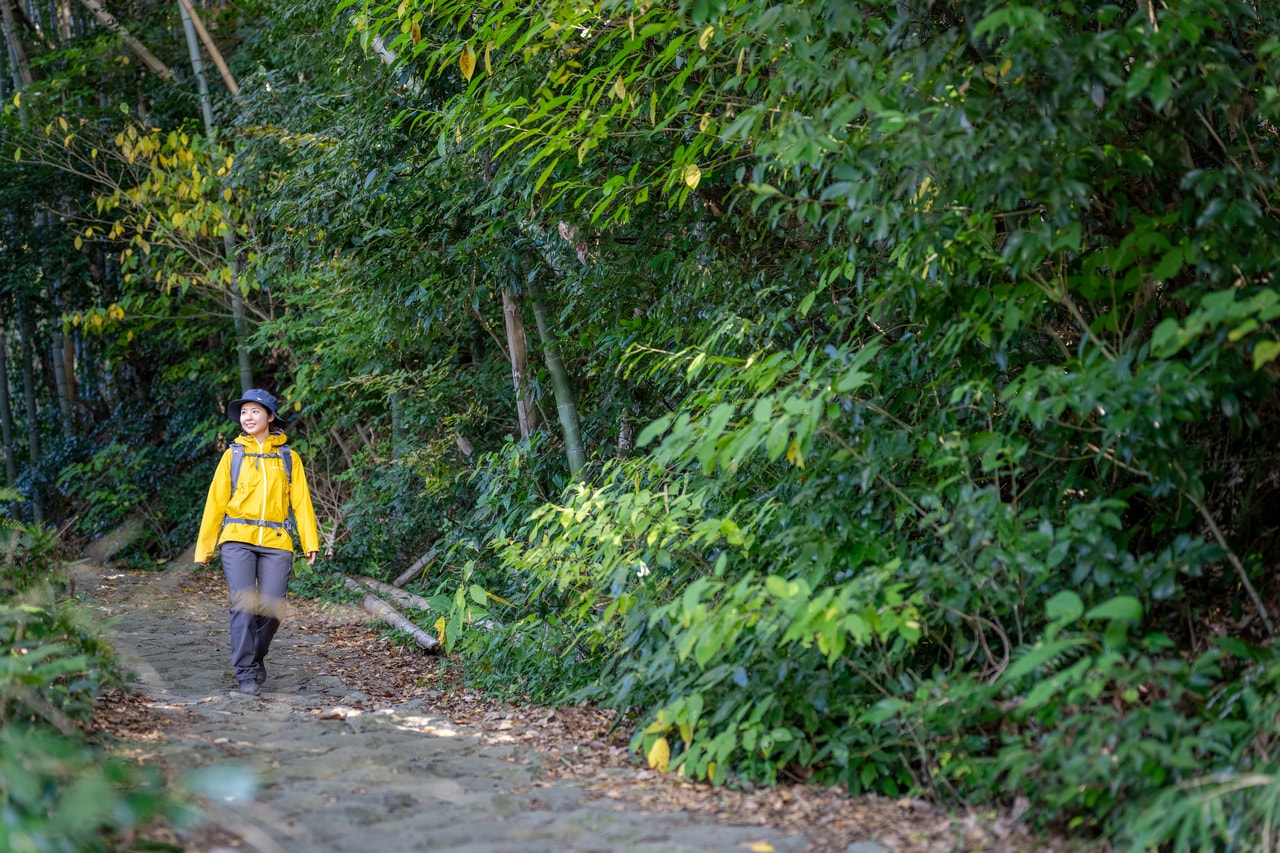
(247, 514)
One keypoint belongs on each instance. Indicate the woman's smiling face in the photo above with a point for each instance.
(255, 420)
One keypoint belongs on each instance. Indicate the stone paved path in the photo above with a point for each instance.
(307, 773)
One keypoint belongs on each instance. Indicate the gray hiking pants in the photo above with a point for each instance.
(257, 579)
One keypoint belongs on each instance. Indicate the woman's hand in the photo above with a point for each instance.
(311, 558)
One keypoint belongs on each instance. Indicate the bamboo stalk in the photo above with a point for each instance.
(400, 596)
(566, 407)
(108, 21)
(408, 599)
(414, 570)
(392, 617)
(212, 48)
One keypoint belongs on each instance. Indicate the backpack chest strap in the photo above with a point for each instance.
(281, 526)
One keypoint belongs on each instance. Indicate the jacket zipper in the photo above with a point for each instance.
(262, 513)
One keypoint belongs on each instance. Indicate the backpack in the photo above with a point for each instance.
(237, 458)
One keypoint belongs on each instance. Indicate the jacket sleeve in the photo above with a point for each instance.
(303, 513)
(215, 507)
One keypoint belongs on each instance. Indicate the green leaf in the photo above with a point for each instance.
(1165, 340)
(1120, 607)
(1064, 607)
(1265, 352)
(1161, 88)
(478, 594)
(1169, 265)
(653, 430)
(1040, 655)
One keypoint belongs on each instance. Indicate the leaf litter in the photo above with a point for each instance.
(587, 746)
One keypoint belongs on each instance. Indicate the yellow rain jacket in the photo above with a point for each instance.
(263, 493)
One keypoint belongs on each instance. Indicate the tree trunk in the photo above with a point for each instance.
(63, 12)
(69, 365)
(29, 386)
(6, 412)
(17, 54)
(33, 413)
(209, 45)
(228, 239)
(565, 406)
(518, 347)
(398, 438)
(197, 65)
(113, 26)
(58, 351)
(243, 357)
(60, 379)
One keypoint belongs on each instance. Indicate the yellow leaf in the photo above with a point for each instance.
(692, 175)
(79, 243)
(93, 154)
(128, 337)
(62, 122)
(402, 9)
(686, 733)
(619, 90)
(653, 108)
(226, 195)
(467, 62)
(416, 31)
(297, 405)
(1004, 68)
(488, 66)
(660, 755)
(17, 100)
(742, 54)
(17, 154)
(794, 455)
(440, 623)
(704, 122)
(761, 847)
(705, 38)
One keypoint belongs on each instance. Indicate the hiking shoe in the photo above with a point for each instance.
(249, 688)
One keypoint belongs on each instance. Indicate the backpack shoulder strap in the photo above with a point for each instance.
(237, 458)
(286, 457)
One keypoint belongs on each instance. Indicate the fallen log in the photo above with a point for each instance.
(392, 617)
(408, 599)
(413, 571)
(400, 596)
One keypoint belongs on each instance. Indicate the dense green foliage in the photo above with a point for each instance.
(924, 356)
(60, 791)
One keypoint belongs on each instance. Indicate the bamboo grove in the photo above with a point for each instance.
(878, 393)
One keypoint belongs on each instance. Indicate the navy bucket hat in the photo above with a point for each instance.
(254, 395)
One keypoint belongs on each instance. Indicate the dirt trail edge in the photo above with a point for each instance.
(317, 767)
